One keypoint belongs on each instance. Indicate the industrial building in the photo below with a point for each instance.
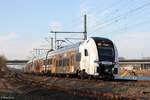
(136, 64)
(135, 67)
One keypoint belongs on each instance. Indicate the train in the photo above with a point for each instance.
(94, 57)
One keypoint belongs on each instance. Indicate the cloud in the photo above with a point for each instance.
(83, 9)
(56, 25)
(133, 45)
(91, 18)
(12, 35)
(94, 19)
(7, 46)
(7, 37)
(105, 13)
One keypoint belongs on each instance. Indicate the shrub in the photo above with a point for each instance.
(2, 61)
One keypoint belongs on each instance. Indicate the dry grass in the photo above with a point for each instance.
(2, 61)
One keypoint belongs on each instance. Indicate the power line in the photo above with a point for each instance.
(133, 26)
(106, 8)
(112, 13)
(117, 18)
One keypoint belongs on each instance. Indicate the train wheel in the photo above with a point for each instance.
(78, 73)
(83, 75)
(67, 76)
(89, 77)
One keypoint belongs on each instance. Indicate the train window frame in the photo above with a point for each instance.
(65, 62)
(57, 63)
(60, 63)
(85, 52)
(72, 59)
(78, 57)
(44, 62)
(50, 61)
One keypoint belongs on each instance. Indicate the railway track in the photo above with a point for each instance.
(84, 89)
(90, 89)
(112, 89)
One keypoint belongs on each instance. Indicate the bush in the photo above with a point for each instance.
(2, 61)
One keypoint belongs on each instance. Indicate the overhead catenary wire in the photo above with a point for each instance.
(131, 26)
(98, 13)
(117, 18)
(134, 24)
(76, 20)
(127, 13)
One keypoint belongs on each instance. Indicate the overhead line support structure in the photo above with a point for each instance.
(84, 32)
(61, 32)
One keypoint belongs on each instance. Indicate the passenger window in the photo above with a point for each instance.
(60, 63)
(65, 62)
(57, 63)
(78, 56)
(44, 62)
(85, 52)
(50, 61)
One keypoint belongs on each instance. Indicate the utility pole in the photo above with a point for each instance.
(84, 32)
(51, 43)
(38, 51)
(85, 28)
(60, 32)
(55, 40)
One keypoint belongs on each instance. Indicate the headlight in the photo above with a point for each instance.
(115, 70)
(106, 70)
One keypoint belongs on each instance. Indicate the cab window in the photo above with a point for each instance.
(85, 52)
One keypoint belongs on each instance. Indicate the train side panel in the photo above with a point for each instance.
(66, 62)
(89, 54)
(97, 56)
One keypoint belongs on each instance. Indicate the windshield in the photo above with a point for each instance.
(106, 54)
(105, 49)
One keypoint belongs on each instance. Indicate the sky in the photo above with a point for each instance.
(26, 24)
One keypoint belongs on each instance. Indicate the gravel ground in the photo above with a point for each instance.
(43, 94)
(17, 87)
(13, 89)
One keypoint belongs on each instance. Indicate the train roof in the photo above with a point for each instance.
(101, 39)
(73, 47)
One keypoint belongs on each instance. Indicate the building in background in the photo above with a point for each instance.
(134, 67)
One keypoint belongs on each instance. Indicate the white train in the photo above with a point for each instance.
(96, 57)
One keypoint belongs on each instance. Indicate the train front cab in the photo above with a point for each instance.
(99, 58)
(107, 58)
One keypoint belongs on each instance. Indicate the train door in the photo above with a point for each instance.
(86, 60)
(77, 62)
(71, 67)
(53, 69)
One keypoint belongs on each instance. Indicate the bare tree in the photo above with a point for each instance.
(2, 62)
